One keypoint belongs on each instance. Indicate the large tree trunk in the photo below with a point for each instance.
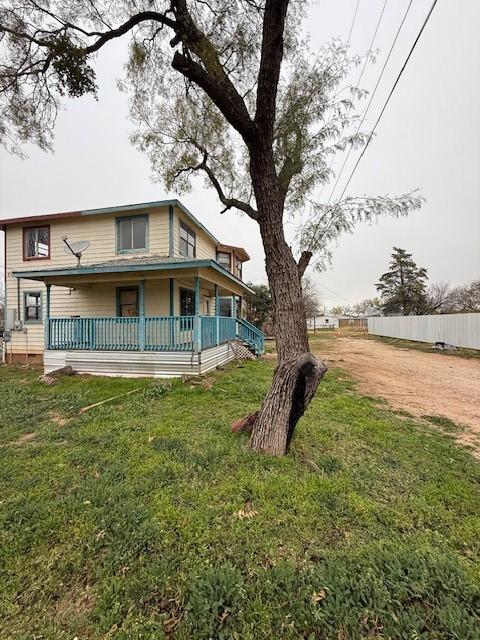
(298, 372)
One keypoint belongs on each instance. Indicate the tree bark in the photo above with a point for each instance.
(298, 372)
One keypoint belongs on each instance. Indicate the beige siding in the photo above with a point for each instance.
(206, 248)
(100, 230)
(98, 299)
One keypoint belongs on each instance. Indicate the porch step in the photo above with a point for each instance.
(241, 350)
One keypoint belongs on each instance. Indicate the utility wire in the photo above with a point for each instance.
(412, 48)
(359, 79)
(372, 96)
(397, 80)
(353, 23)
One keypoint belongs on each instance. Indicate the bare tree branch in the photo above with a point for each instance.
(225, 200)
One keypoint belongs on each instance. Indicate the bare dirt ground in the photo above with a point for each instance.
(424, 384)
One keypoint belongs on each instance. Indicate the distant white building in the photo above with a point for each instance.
(322, 322)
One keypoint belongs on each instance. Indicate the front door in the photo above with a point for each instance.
(187, 302)
(127, 302)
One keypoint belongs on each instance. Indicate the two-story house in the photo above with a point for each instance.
(151, 292)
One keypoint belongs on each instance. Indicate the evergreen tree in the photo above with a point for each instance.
(259, 304)
(403, 286)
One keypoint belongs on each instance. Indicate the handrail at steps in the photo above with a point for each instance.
(251, 334)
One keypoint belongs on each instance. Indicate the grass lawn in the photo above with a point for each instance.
(427, 347)
(128, 521)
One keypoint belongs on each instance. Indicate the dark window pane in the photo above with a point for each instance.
(225, 307)
(128, 302)
(125, 235)
(42, 239)
(30, 244)
(187, 302)
(139, 233)
(37, 242)
(187, 241)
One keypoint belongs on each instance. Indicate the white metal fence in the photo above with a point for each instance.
(459, 329)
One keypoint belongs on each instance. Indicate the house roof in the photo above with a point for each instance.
(105, 210)
(125, 265)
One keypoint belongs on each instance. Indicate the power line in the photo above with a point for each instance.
(359, 79)
(372, 96)
(353, 22)
(397, 80)
(412, 48)
(322, 286)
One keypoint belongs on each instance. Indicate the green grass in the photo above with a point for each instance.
(422, 346)
(443, 422)
(123, 522)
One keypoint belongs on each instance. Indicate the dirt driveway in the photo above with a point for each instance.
(421, 383)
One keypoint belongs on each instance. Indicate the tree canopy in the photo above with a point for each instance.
(203, 81)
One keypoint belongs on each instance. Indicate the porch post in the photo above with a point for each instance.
(217, 314)
(172, 299)
(198, 328)
(141, 313)
(47, 318)
(171, 333)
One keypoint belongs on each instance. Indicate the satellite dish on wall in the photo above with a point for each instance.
(76, 248)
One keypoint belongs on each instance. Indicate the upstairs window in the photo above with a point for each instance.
(32, 306)
(36, 243)
(132, 234)
(238, 268)
(188, 241)
(224, 260)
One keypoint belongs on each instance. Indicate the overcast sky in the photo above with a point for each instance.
(429, 137)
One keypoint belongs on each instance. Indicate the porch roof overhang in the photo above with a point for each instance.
(129, 266)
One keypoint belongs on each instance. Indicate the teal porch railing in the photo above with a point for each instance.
(162, 333)
(252, 335)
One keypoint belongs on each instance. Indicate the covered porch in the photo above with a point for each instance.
(151, 318)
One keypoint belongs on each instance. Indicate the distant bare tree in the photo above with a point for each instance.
(341, 310)
(466, 298)
(439, 298)
(368, 305)
(311, 298)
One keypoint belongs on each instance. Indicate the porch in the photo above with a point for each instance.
(144, 316)
(164, 333)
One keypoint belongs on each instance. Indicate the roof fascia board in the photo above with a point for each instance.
(125, 268)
